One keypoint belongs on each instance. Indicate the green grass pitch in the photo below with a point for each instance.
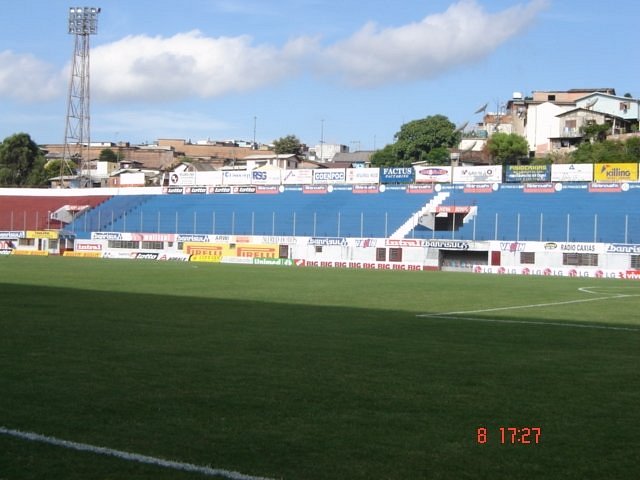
(298, 373)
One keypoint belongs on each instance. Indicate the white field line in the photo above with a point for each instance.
(457, 315)
(132, 457)
(529, 322)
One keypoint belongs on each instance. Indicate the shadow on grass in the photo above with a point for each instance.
(298, 391)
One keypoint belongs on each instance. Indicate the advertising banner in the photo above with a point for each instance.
(200, 189)
(236, 177)
(265, 177)
(51, 234)
(559, 272)
(582, 172)
(546, 187)
(426, 174)
(365, 189)
(615, 172)
(329, 175)
(214, 252)
(360, 265)
(182, 178)
(527, 173)
(297, 177)
(71, 253)
(397, 175)
(151, 237)
(209, 178)
(478, 174)
(363, 175)
(84, 246)
(11, 235)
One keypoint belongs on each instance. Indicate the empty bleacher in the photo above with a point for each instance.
(572, 214)
(33, 212)
(340, 213)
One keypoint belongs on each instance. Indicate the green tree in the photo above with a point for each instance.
(507, 148)
(287, 144)
(596, 132)
(632, 147)
(583, 153)
(607, 151)
(439, 156)
(384, 157)
(21, 161)
(53, 168)
(107, 155)
(418, 138)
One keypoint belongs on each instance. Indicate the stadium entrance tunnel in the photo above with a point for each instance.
(447, 218)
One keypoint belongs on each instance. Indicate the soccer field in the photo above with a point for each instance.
(115, 369)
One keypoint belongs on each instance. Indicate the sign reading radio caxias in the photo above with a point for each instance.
(214, 252)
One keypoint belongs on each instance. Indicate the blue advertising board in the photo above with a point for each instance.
(397, 175)
(527, 173)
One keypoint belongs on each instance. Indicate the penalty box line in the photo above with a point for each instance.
(132, 457)
(458, 315)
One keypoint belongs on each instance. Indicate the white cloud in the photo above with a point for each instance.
(28, 79)
(190, 64)
(158, 69)
(461, 35)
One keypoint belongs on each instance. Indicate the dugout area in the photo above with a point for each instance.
(461, 259)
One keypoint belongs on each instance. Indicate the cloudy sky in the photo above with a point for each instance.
(346, 71)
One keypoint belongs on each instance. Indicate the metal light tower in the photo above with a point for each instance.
(83, 21)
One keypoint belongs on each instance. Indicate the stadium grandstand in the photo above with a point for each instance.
(420, 215)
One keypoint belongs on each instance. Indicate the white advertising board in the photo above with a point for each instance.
(297, 177)
(182, 178)
(363, 175)
(209, 178)
(478, 174)
(432, 174)
(236, 177)
(572, 172)
(327, 176)
(265, 177)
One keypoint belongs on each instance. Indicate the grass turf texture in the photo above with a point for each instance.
(312, 373)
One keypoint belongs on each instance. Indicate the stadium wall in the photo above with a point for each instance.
(596, 260)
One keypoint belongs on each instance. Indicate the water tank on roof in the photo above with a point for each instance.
(517, 95)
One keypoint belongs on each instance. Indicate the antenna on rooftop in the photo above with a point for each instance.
(83, 22)
(462, 127)
(591, 103)
(482, 109)
(468, 149)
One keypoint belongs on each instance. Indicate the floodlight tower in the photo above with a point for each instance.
(83, 22)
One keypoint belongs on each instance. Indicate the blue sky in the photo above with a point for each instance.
(347, 71)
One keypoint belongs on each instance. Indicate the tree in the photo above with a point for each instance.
(287, 144)
(632, 147)
(384, 157)
(607, 151)
(53, 168)
(108, 155)
(21, 161)
(418, 138)
(439, 156)
(507, 148)
(596, 132)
